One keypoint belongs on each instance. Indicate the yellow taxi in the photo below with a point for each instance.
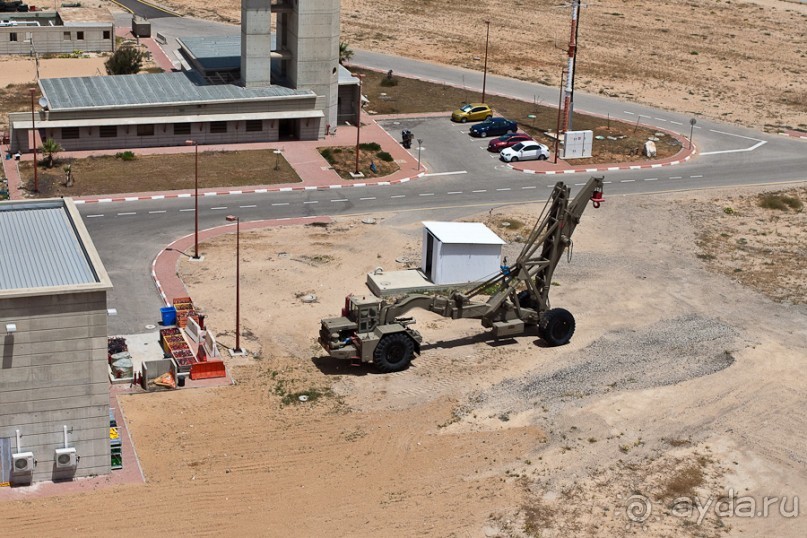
(472, 112)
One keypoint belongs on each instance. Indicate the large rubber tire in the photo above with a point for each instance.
(464, 120)
(488, 117)
(542, 157)
(394, 353)
(483, 134)
(513, 159)
(557, 327)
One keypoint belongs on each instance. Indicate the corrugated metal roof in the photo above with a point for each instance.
(40, 248)
(149, 89)
(471, 233)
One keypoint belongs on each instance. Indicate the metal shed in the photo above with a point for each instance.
(460, 252)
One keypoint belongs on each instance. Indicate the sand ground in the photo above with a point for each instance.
(679, 382)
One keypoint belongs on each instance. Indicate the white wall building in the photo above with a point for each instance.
(460, 252)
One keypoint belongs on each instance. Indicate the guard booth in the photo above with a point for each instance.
(460, 252)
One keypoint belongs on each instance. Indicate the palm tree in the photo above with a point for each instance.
(50, 148)
(345, 54)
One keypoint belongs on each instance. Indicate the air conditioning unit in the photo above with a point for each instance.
(66, 458)
(22, 463)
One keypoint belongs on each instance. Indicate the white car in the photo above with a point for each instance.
(524, 151)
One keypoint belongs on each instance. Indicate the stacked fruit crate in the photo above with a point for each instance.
(184, 308)
(174, 344)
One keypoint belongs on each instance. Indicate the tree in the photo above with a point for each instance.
(345, 54)
(50, 148)
(127, 60)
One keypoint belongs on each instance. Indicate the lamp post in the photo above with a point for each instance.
(692, 123)
(278, 151)
(195, 197)
(33, 139)
(358, 123)
(485, 68)
(420, 142)
(237, 220)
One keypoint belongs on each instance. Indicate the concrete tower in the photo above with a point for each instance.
(256, 43)
(309, 30)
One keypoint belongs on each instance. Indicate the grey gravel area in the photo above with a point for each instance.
(665, 353)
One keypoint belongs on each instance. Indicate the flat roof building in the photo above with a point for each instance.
(54, 387)
(57, 32)
(259, 87)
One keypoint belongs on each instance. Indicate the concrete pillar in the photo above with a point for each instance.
(256, 43)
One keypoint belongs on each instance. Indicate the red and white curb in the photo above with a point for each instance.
(602, 169)
(794, 134)
(206, 194)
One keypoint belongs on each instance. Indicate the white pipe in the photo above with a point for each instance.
(65, 435)
(18, 441)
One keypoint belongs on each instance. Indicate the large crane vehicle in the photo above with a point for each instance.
(372, 330)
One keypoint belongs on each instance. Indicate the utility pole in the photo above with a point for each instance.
(485, 69)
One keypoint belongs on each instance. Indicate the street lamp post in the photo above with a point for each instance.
(33, 140)
(278, 151)
(195, 197)
(237, 220)
(358, 123)
(485, 68)
(692, 123)
(420, 143)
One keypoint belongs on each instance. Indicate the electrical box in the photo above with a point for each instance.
(66, 458)
(22, 463)
(577, 144)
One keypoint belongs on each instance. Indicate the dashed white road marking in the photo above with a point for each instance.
(220, 208)
(454, 192)
(284, 203)
(368, 198)
(246, 206)
(477, 192)
(95, 216)
(627, 180)
(127, 213)
(398, 196)
(651, 179)
(529, 187)
(183, 210)
(311, 202)
(675, 177)
(695, 176)
(340, 200)
(505, 189)
(426, 194)
(156, 212)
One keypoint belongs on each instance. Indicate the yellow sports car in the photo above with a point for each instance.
(472, 112)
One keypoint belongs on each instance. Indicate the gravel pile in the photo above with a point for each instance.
(665, 353)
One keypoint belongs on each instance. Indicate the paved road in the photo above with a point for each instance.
(144, 9)
(129, 235)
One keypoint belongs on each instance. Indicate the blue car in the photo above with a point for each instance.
(494, 127)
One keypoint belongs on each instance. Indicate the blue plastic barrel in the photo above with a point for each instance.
(169, 315)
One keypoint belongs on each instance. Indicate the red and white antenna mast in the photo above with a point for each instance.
(568, 101)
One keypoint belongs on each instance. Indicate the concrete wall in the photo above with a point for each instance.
(56, 39)
(53, 372)
(89, 137)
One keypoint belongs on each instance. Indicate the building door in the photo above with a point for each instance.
(5, 460)
(287, 129)
(429, 254)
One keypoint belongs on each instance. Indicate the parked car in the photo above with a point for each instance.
(507, 140)
(494, 127)
(472, 112)
(524, 151)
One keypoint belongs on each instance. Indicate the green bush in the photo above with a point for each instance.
(388, 82)
(327, 154)
(370, 146)
(125, 155)
(384, 156)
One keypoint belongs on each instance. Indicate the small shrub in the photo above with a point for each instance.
(389, 82)
(125, 155)
(384, 156)
(370, 146)
(327, 154)
(780, 202)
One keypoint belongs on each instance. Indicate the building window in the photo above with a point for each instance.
(12, 36)
(108, 131)
(254, 126)
(145, 130)
(70, 133)
(182, 128)
(66, 36)
(218, 127)
(80, 36)
(107, 34)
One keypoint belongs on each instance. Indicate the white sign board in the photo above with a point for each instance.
(577, 144)
(209, 342)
